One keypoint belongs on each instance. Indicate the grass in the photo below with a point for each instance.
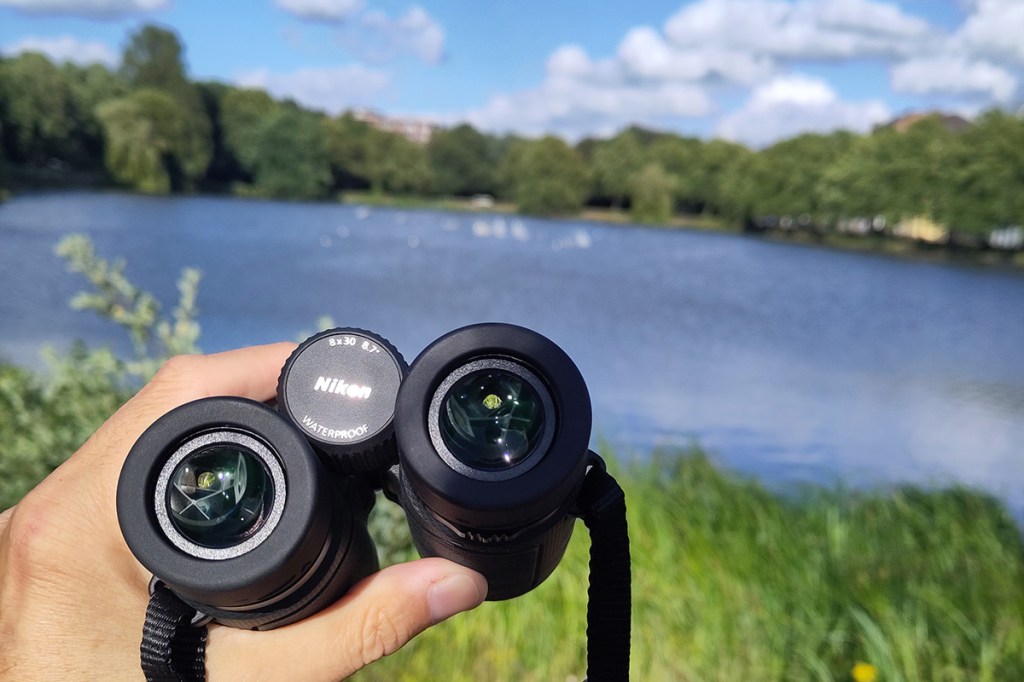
(412, 201)
(731, 582)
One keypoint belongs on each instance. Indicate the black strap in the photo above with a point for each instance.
(603, 510)
(173, 647)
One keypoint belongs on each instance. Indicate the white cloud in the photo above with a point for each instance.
(380, 38)
(953, 74)
(644, 53)
(659, 76)
(793, 104)
(65, 49)
(86, 8)
(330, 89)
(574, 108)
(805, 30)
(321, 10)
(995, 28)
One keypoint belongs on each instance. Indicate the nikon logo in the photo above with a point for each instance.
(329, 385)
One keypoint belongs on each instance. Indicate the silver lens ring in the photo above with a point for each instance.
(198, 443)
(516, 369)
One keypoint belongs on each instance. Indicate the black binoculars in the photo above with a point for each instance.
(256, 515)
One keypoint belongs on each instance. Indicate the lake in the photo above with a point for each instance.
(788, 363)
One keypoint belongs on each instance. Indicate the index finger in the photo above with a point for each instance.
(248, 373)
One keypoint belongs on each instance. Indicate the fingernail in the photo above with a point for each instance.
(453, 594)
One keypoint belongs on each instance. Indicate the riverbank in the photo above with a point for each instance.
(731, 583)
(875, 245)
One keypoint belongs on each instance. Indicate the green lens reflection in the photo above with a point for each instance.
(492, 419)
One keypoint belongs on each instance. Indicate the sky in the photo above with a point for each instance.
(752, 71)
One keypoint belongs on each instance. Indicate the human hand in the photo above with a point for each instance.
(73, 597)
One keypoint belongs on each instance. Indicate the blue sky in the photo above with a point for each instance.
(749, 70)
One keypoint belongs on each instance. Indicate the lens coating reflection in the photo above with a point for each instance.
(492, 419)
(220, 495)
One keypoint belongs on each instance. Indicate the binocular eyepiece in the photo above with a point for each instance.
(257, 517)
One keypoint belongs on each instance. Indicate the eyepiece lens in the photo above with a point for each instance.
(492, 419)
(220, 495)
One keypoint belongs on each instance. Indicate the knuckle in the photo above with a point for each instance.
(179, 369)
(180, 378)
(382, 634)
(30, 543)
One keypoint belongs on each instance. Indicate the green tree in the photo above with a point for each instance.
(724, 177)
(291, 159)
(245, 115)
(615, 164)
(786, 178)
(347, 140)
(224, 168)
(90, 86)
(394, 164)
(680, 157)
(986, 176)
(3, 167)
(36, 110)
(549, 177)
(462, 161)
(153, 58)
(893, 173)
(151, 144)
(510, 167)
(652, 195)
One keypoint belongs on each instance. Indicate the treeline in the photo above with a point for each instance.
(147, 127)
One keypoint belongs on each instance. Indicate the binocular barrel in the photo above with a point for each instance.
(258, 518)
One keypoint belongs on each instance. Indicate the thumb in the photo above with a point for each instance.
(377, 617)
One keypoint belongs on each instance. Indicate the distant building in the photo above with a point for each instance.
(416, 130)
(921, 229)
(952, 122)
(1007, 238)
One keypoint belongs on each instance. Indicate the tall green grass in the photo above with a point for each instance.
(731, 582)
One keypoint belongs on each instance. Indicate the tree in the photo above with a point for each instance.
(89, 87)
(291, 159)
(462, 161)
(550, 177)
(394, 164)
(224, 168)
(652, 195)
(347, 149)
(893, 173)
(151, 144)
(724, 177)
(244, 117)
(510, 167)
(786, 180)
(680, 157)
(614, 165)
(153, 59)
(36, 109)
(986, 174)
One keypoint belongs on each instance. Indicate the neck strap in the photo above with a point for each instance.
(603, 509)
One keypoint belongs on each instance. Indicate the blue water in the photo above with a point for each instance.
(789, 363)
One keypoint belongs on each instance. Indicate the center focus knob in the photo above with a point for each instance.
(339, 388)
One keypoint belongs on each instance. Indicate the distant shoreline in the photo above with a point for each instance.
(903, 249)
(875, 245)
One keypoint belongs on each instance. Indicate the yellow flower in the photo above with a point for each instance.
(865, 672)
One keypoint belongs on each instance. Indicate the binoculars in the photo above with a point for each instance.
(255, 515)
